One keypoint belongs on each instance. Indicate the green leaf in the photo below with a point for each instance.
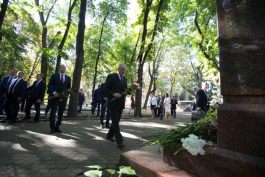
(93, 173)
(111, 171)
(94, 167)
(127, 170)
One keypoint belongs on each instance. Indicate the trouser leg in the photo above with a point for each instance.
(62, 106)
(28, 107)
(115, 127)
(54, 107)
(14, 110)
(37, 109)
(98, 110)
(2, 102)
(102, 114)
(7, 108)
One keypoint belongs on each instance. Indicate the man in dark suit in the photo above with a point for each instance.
(14, 94)
(25, 98)
(58, 87)
(4, 87)
(36, 96)
(116, 85)
(104, 107)
(201, 100)
(97, 98)
(81, 99)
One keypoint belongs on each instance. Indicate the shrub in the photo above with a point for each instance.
(205, 128)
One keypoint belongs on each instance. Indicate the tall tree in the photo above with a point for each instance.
(99, 48)
(155, 64)
(138, 96)
(67, 28)
(161, 6)
(110, 11)
(73, 104)
(44, 20)
(2, 15)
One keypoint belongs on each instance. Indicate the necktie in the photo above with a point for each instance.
(61, 78)
(12, 86)
(37, 83)
(9, 81)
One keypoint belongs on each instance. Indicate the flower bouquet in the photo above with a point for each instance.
(63, 94)
(128, 91)
(193, 144)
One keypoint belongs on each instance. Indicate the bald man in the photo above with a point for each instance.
(59, 83)
(115, 86)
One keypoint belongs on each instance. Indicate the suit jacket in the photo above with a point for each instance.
(4, 85)
(19, 89)
(81, 98)
(115, 85)
(201, 100)
(97, 95)
(37, 91)
(55, 84)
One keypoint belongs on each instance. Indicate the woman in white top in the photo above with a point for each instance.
(153, 104)
(167, 106)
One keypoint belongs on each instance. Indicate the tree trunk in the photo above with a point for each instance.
(61, 45)
(137, 112)
(99, 52)
(44, 57)
(150, 45)
(138, 96)
(73, 104)
(155, 66)
(172, 82)
(2, 15)
(149, 88)
(35, 64)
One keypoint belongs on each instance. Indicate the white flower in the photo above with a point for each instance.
(193, 145)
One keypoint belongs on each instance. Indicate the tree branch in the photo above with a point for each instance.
(150, 45)
(48, 15)
(37, 2)
(206, 55)
(135, 47)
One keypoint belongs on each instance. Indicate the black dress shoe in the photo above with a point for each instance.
(58, 131)
(120, 145)
(110, 139)
(26, 118)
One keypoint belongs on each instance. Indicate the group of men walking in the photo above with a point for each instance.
(13, 87)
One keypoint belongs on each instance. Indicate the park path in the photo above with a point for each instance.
(27, 149)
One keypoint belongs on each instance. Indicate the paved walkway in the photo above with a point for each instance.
(27, 149)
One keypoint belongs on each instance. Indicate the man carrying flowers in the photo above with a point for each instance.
(58, 90)
(115, 87)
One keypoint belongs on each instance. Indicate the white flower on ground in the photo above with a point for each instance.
(193, 145)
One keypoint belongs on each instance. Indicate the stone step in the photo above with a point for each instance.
(148, 162)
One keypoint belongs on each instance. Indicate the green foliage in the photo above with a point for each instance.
(183, 24)
(204, 128)
(93, 173)
(21, 43)
(98, 171)
(15, 38)
(126, 170)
